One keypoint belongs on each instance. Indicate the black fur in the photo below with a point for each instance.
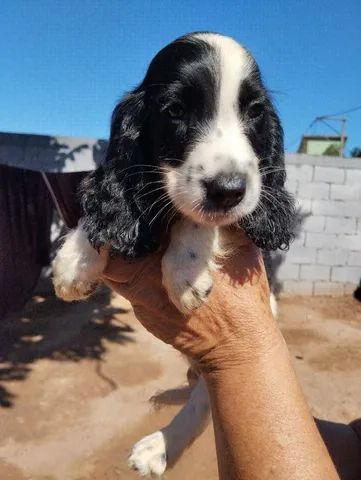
(271, 226)
(121, 208)
(116, 197)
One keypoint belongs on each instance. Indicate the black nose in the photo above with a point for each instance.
(225, 191)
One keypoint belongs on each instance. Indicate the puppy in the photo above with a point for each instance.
(196, 148)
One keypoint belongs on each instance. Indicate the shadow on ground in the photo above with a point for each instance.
(50, 328)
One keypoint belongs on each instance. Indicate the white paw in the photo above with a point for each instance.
(70, 284)
(185, 292)
(196, 293)
(76, 267)
(149, 455)
(76, 290)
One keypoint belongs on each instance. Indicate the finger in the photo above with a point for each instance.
(123, 270)
(117, 268)
(104, 252)
(120, 270)
(117, 287)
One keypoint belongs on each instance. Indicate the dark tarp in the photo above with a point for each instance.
(26, 214)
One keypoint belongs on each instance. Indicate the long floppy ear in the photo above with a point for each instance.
(271, 226)
(117, 198)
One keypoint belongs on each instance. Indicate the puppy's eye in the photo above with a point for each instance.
(175, 110)
(255, 110)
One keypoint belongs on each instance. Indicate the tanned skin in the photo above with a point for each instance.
(263, 426)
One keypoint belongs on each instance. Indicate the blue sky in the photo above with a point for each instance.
(63, 64)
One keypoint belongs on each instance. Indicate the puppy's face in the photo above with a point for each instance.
(208, 126)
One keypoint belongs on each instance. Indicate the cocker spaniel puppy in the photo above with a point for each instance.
(196, 148)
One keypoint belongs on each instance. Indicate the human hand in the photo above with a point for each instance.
(232, 325)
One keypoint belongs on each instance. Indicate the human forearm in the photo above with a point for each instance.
(262, 423)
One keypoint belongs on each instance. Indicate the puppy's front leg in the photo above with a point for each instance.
(187, 264)
(76, 267)
(155, 452)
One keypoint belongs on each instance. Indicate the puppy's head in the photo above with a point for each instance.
(207, 102)
(201, 131)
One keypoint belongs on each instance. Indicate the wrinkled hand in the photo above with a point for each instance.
(236, 308)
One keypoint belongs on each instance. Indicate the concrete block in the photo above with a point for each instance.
(288, 271)
(353, 176)
(291, 186)
(321, 240)
(302, 173)
(328, 288)
(322, 161)
(340, 225)
(314, 223)
(346, 274)
(315, 272)
(300, 240)
(336, 208)
(313, 190)
(329, 174)
(301, 255)
(304, 205)
(332, 257)
(292, 287)
(349, 242)
(345, 192)
(354, 259)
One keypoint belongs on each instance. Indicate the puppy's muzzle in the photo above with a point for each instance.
(224, 191)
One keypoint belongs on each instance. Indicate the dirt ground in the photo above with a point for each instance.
(75, 380)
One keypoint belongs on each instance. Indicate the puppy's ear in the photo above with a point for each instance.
(271, 226)
(127, 121)
(117, 198)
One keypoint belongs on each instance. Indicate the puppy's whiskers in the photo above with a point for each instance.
(151, 191)
(270, 197)
(170, 202)
(143, 187)
(268, 170)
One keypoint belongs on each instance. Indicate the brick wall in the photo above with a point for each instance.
(326, 257)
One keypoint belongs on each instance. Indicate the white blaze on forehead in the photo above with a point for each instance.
(226, 138)
(235, 66)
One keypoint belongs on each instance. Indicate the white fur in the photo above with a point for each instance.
(149, 455)
(273, 303)
(187, 264)
(224, 147)
(76, 267)
(153, 453)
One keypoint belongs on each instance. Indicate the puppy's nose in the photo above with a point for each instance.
(225, 191)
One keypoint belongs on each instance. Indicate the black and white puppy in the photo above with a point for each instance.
(195, 148)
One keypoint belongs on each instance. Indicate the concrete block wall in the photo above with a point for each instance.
(326, 257)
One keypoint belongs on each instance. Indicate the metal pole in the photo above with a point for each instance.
(343, 134)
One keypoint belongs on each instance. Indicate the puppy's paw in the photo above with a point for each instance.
(196, 292)
(74, 290)
(76, 267)
(185, 292)
(149, 455)
(70, 286)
